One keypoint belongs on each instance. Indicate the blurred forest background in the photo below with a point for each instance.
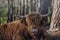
(11, 10)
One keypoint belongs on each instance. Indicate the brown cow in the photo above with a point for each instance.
(34, 27)
(17, 30)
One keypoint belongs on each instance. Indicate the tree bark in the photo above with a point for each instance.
(55, 20)
(10, 11)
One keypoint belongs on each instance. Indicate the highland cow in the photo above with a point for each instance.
(17, 30)
(34, 27)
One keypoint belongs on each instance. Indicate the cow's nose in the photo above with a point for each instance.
(34, 30)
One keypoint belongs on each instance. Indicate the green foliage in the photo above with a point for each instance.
(3, 20)
(3, 14)
(48, 19)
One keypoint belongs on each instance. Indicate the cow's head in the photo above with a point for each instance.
(33, 21)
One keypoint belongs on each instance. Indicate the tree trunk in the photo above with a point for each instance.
(10, 11)
(55, 20)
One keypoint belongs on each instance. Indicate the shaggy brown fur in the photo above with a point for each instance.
(33, 19)
(17, 30)
(12, 31)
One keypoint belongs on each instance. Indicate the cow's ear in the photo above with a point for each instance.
(44, 21)
(23, 20)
